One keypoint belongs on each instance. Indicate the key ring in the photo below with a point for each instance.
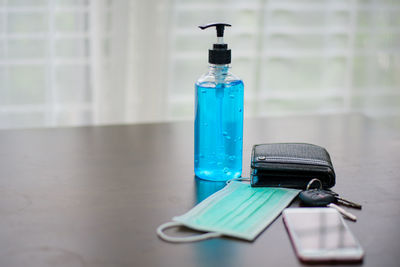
(312, 181)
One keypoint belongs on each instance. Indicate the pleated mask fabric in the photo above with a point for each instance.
(237, 210)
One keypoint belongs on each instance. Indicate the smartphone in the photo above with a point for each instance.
(321, 235)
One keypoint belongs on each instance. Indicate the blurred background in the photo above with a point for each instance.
(89, 62)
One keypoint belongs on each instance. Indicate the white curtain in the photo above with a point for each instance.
(84, 62)
(294, 57)
(135, 87)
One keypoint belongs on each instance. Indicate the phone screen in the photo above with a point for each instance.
(321, 234)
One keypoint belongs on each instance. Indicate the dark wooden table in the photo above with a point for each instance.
(93, 196)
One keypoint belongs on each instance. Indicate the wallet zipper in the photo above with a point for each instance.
(294, 160)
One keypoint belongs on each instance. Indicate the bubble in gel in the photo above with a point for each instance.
(240, 110)
(224, 133)
(231, 157)
(232, 96)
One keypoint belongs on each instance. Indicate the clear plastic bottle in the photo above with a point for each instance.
(218, 128)
(218, 125)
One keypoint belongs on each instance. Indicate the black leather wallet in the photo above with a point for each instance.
(290, 165)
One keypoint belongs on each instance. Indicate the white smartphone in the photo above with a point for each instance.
(320, 235)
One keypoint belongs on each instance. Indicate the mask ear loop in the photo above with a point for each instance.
(173, 239)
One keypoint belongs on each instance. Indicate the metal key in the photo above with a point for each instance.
(343, 212)
(318, 198)
(345, 202)
(323, 198)
(338, 199)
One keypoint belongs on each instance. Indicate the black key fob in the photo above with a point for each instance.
(316, 198)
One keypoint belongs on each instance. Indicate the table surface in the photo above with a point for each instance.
(93, 196)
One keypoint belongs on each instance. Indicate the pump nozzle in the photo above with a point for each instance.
(220, 54)
(219, 26)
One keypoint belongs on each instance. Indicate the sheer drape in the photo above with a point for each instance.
(89, 62)
(130, 83)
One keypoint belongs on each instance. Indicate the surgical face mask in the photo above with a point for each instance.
(237, 210)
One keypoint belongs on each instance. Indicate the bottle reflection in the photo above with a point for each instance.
(204, 188)
(213, 250)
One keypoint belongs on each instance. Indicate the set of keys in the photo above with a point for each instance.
(318, 197)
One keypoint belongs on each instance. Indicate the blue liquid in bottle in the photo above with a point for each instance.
(218, 125)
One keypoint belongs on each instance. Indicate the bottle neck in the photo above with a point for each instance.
(219, 69)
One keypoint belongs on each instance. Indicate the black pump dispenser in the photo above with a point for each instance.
(220, 54)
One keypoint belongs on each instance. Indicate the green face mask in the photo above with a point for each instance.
(237, 210)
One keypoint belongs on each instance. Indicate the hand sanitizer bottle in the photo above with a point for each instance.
(218, 129)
